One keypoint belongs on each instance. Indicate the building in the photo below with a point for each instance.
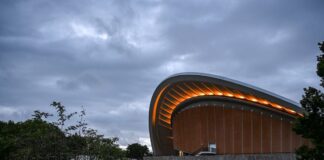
(191, 111)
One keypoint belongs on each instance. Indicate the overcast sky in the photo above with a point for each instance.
(110, 55)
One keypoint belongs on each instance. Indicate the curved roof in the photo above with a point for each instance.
(180, 88)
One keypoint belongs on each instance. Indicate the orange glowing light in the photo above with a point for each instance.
(169, 106)
(172, 102)
(289, 110)
(155, 105)
(165, 115)
(217, 90)
(197, 87)
(220, 93)
(276, 105)
(167, 110)
(254, 100)
(228, 94)
(193, 91)
(179, 94)
(210, 90)
(265, 102)
(183, 92)
(176, 98)
(239, 96)
(166, 126)
(164, 120)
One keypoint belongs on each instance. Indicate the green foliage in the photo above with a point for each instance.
(311, 125)
(39, 139)
(32, 138)
(109, 150)
(137, 151)
(307, 153)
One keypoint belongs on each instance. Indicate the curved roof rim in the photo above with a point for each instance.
(235, 82)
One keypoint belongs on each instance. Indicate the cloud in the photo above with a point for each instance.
(109, 56)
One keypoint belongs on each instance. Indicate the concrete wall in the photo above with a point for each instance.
(229, 157)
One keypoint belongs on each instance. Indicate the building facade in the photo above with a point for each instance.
(190, 111)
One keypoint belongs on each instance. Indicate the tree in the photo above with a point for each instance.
(136, 151)
(108, 149)
(63, 117)
(32, 139)
(311, 125)
(36, 138)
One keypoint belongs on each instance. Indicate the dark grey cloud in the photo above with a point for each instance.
(109, 56)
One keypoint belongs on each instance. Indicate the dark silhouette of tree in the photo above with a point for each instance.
(63, 117)
(39, 139)
(38, 115)
(311, 125)
(30, 139)
(136, 151)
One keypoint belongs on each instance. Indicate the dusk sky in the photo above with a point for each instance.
(110, 55)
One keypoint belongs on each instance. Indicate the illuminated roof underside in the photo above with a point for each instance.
(183, 87)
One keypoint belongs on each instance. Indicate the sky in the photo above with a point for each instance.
(109, 55)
